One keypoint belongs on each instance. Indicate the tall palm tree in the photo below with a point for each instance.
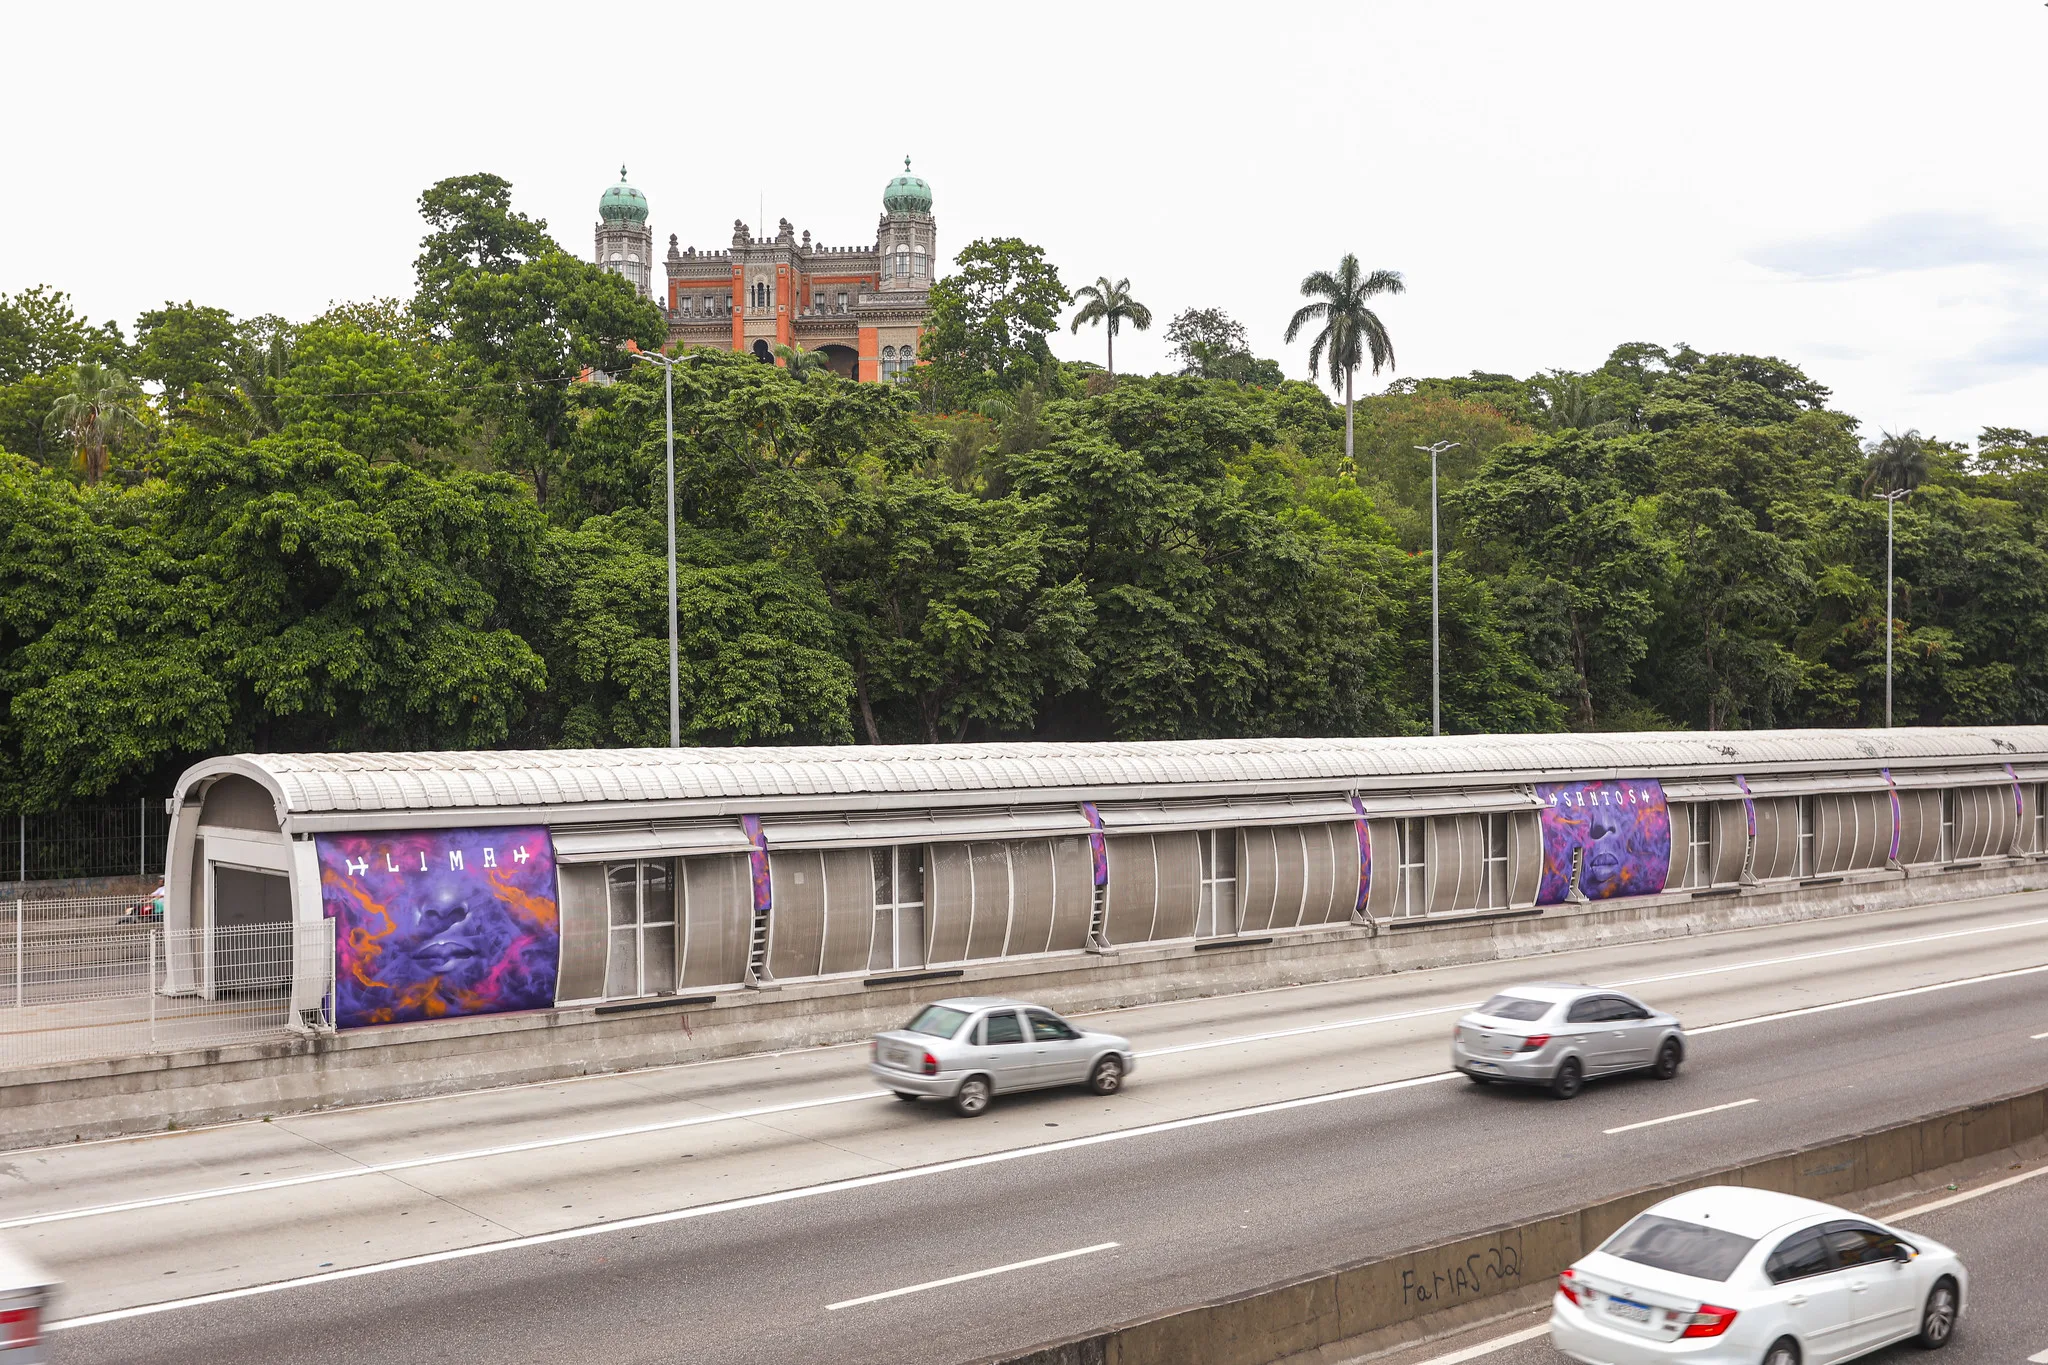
(1896, 462)
(1113, 304)
(1351, 330)
(101, 405)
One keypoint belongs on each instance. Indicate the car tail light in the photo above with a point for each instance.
(874, 1050)
(1568, 1285)
(1534, 1041)
(931, 1065)
(1708, 1322)
(21, 1327)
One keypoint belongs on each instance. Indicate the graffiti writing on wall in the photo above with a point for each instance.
(1622, 830)
(431, 924)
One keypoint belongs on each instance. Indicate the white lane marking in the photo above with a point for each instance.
(2037, 1037)
(1866, 1000)
(970, 1275)
(2038, 1358)
(753, 1201)
(1673, 1118)
(1487, 1348)
(416, 1163)
(1968, 1195)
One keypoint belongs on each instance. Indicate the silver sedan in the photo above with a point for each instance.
(1558, 1036)
(974, 1048)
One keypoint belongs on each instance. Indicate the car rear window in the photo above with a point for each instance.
(1515, 1007)
(938, 1021)
(1683, 1248)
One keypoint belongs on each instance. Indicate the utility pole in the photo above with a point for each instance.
(1891, 503)
(675, 706)
(1435, 599)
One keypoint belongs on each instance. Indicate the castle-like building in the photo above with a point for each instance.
(862, 307)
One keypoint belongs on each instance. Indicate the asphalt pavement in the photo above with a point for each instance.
(1236, 1159)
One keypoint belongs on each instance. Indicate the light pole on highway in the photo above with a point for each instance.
(1891, 503)
(1435, 602)
(675, 706)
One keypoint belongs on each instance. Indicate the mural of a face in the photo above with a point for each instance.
(431, 924)
(1622, 830)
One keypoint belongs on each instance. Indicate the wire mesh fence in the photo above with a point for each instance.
(78, 982)
(85, 841)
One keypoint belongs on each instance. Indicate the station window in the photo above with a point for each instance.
(1413, 860)
(1948, 824)
(2040, 843)
(1217, 916)
(640, 940)
(899, 908)
(1806, 836)
(1493, 891)
(1699, 846)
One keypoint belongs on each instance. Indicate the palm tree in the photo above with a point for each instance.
(1896, 463)
(1351, 330)
(102, 404)
(801, 363)
(1113, 304)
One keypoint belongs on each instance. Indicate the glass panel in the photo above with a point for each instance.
(885, 884)
(658, 955)
(910, 935)
(910, 874)
(622, 970)
(880, 950)
(658, 892)
(1682, 1248)
(622, 889)
(939, 1021)
(1208, 853)
(1002, 1028)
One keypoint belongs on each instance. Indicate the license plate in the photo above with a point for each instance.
(897, 1057)
(1486, 1065)
(1630, 1309)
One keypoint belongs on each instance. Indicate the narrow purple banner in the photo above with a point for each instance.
(431, 924)
(1364, 854)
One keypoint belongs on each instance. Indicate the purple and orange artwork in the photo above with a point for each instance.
(431, 924)
(1623, 829)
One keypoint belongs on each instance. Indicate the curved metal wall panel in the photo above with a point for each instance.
(949, 902)
(1180, 885)
(1919, 827)
(1332, 890)
(1777, 837)
(796, 926)
(1383, 896)
(1289, 877)
(1133, 888)
(1683, 813)
(581, 892)
(1073, 880)
(990, 866)
(718, 909)
(1525, 858)
(1731, 842)
(849, 911)
(1258, 878)
(1033, 897)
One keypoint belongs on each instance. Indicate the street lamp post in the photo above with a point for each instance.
(1891, 503)
(675, 707)
(1435, 601)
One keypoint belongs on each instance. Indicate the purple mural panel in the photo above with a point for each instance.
(1623, 828)
(1098, 849)
(757, 863)
(1364, 855)
(431, 924)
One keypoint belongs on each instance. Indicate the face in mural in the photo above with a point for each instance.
(1620, 829)
(439, 923)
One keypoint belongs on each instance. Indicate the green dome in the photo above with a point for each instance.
(907, 193)
(622, 203)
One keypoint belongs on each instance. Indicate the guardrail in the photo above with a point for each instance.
(1342, 1308)
(85, 979)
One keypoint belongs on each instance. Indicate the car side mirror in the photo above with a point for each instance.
(1901, 1252)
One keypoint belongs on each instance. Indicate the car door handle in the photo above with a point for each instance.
(1796, 1301)
(1857, 1286)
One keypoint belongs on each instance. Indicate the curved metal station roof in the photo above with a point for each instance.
(317, 784)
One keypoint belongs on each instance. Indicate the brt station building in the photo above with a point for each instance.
(434, 886)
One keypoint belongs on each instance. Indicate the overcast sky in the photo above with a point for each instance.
(1856, 187)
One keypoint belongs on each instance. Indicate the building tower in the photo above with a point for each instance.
(907, 244)
(625, 244)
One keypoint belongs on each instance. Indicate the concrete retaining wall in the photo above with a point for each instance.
(1379, 1302)
(403, 1061)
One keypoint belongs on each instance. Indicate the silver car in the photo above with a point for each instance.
(1558, 1036)
(26, 1290)
(974, 1048)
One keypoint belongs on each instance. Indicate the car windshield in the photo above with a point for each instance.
(1683, 1248)
(1515, 1007)
(938, 1020)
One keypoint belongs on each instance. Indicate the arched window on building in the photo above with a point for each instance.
(842, 300)
(920, 263)
(903, 262)
(888, 362)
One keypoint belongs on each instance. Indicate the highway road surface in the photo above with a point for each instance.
(777, 1209)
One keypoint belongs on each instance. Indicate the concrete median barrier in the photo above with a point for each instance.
(1348, 1311)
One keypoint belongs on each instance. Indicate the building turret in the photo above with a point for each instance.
(625, 244)
(908, 236)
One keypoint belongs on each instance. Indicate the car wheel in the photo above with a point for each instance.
(1668, 1058)
(1568, 1079)
(1938, 1316)
(971, 1099)
(1784, 1351)
(905, 1096)
(1108, 1076)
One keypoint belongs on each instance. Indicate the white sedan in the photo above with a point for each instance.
(1731, 1276)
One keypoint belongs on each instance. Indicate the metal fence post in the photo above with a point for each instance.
(150, 985)
(142, 837)
(20, 923)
